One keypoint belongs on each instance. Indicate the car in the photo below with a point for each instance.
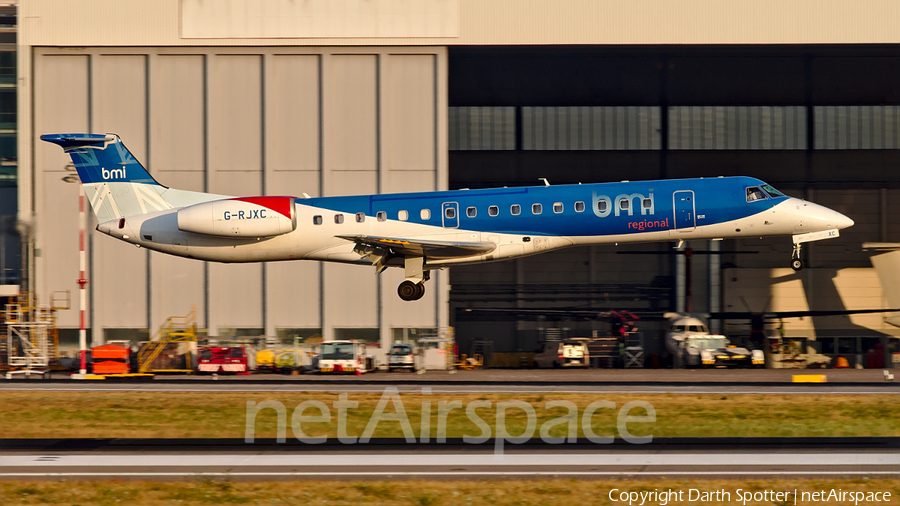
(714, 351)
(562, 354)
(402, 356)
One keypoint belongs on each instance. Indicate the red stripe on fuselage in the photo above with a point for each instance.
(278, 204)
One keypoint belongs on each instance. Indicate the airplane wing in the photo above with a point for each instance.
(396, 247)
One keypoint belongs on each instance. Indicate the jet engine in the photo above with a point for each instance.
(240, 217)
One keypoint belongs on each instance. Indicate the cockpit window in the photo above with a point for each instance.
(754, 193)
(772, 191)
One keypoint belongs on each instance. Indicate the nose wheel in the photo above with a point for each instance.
(796, 263)
(409, 290)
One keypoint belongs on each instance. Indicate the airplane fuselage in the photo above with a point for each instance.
(518, 221)
(428, 230)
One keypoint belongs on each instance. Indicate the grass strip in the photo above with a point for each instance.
(423, 493)
(224, 415)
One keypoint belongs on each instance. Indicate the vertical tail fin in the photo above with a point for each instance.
(115, 183)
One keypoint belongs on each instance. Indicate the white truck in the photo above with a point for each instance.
(345, 357)
(562, 354)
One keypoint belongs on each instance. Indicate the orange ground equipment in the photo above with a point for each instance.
(111, 359)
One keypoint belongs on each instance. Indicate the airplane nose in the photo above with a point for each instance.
(842, 221)
(818, 217)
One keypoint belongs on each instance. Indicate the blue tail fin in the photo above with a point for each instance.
(104, 165)
(101, 158)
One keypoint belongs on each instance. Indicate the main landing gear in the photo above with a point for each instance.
(796, 262)
(409, 290)
(416, 276)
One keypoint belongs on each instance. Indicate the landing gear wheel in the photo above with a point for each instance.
(420, 291)
(409, 290)
(796, 263)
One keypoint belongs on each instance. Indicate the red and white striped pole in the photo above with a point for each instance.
(82, 280)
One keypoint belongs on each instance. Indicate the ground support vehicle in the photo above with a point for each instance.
(112, 358)
(714, 351)
(345, 357)
(402, 356)
(558, 354)
(223, 359)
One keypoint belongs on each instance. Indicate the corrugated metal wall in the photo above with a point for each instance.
(269, 121)
(480, 22)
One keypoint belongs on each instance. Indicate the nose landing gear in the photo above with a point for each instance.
(796, 262)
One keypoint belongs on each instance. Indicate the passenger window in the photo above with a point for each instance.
(381, 215)
(601, 206)
(493, 210)
(402, 215)
(450, 213)
(338, 218)
(515, 209)
(579, 207)
(360, 217)
(648, 203)
(471, 212)
(425, 214)
(557, 207)
(535, 209)
(317, 219)
(754, 193)
(623, 204)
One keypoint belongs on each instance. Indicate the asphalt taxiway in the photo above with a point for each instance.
(234, 460)
(739, 381)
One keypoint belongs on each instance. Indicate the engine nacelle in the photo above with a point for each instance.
(240, 217)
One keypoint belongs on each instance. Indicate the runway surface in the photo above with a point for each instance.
(694, 381)
(739, 459)
(543, 376)
(437, 388)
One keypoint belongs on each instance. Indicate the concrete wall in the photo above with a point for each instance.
(235, 121)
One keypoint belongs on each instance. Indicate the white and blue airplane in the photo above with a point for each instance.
(424, 231)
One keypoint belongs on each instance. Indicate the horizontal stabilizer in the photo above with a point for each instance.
(68, 141)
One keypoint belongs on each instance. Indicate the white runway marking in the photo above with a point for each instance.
(455, 460)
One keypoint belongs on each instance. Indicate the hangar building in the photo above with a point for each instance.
(374, 96)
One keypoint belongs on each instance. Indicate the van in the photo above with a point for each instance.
(402, 356)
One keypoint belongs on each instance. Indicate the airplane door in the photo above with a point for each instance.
(450, 214)
(685, 215)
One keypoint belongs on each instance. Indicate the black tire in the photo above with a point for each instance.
(407, 290)
(796, 264)
(420, 291)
